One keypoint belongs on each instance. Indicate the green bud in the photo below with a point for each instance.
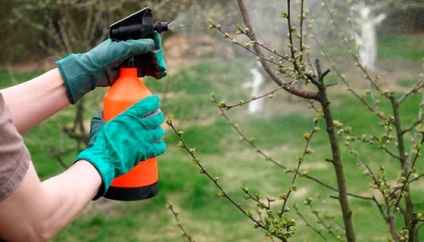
(222, 105)
(337, 124)
(169, 120)
(309, 151)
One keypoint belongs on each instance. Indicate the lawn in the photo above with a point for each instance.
(278, 131)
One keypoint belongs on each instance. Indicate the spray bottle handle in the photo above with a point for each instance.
(139, 25)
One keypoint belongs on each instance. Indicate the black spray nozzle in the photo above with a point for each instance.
(138, 25)
(161, 26)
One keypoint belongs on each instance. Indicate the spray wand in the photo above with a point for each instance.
(142, 181)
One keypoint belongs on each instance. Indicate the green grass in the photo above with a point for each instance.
(10, 76)
(278, 131)
(401, 47)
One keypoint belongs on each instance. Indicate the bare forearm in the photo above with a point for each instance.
(38, 211)
(70, 192)
(34, 101)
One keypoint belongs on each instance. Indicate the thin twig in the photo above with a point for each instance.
(170, 206)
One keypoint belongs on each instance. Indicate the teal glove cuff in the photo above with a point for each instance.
(79, 78)
(104, 168)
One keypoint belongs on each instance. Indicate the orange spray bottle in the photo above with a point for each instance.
(142, 181)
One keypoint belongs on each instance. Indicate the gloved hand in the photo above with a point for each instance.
(99, 67)
(135, 135)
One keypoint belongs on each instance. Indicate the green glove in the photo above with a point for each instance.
(135, 135)
(100, 66)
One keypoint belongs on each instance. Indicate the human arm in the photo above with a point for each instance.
(37, 211)
(33, 101)
(31, 210)
(77, 74)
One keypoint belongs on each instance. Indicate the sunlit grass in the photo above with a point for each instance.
(408, 47)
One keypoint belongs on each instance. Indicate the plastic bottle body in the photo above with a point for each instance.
(141, 182)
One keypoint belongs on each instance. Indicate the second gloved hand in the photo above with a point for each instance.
(117, 146)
